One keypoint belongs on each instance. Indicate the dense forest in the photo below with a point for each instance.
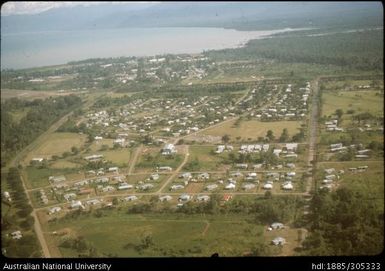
(41, 114)
(360, 50)
(345, 222)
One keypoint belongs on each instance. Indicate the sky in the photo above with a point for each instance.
(25, 7)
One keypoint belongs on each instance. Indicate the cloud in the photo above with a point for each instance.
(13, 7)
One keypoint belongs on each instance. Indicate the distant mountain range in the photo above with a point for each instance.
(240, 15)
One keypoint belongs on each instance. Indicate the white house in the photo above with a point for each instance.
(184, 197)
(165, 198)
(176, 187)
(54, 210)
(268, 186)
(168, 149)
(77, 205)
(131, 198)
(248, 186)
(124, 186)
(211, 187)
(203, 198)
(230, 186)
(278, 241)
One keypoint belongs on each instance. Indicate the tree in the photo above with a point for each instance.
(339, 113)
(284, 136)
(226, 138)
(270, 135)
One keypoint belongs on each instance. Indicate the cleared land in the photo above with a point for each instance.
(253, 129)
(168, 232)
(56, 144)
(360, 101)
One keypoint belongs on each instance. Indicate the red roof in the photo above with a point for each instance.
(227, 197)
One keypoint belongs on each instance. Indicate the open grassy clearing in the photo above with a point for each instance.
(56, 144)
(150, 158)
(97, 144)
(253, 129)
(60, 164)
(194, 235)
(359, 101)
(30, 94)
(37, 177)
(119, 157)
(207, 160)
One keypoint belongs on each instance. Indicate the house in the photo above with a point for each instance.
(290, 174)
(145, 187)
(277, 152)
(252, 175)
(287, 186)
(242, 166)
(131, 198)
(329, 170)
(37, 160)
(165, 198)
(184, 197)
(119, 141)
(278, 241)
(290, 165)
(230, 186)
(124, 186)
(154, 177)
(203, 198)
(98, 137)
(268, 186)
(227, 197)
(94, 157)
(204, 176)
(7, 196)
(85, 191)
(57, 179)
(236, 174)
(248, 186)
(165, 168)
(108, 188)
(211, 187)
(69, 196)
(93, 202)
(54, 210)
(76, 205)
(176, 187)
(220, 149)
(265, 147)
(186, 175)
(113, 169)
(257, 166)
(277, 226)
(16, 235)
(168, 149)
(291, 147)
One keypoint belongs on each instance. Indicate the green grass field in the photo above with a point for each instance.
(172, 234)
(152, 158)
(35, 177)
(207, 161)
(359, 101)
(253, 129)
(118, 157)
(56, 144)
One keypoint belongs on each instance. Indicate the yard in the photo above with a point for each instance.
(253, 129)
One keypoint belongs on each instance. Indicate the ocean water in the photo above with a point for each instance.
(26, 50)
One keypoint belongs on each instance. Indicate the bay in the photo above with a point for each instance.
(36, 49)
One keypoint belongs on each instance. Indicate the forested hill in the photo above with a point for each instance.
(360, 50)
